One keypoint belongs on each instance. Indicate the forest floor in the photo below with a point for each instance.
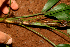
(23, 37)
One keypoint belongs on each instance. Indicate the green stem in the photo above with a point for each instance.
(30, 15)
(54, 29)
(39, 34)
(7, 46)
(9, 10)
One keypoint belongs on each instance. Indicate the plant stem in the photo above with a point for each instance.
(54, 29)
(38, 34)
(7, 46)
(9, 10)
(30, 15)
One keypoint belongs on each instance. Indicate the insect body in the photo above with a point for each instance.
(49, 23)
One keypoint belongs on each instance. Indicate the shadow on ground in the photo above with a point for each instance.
(4, 45)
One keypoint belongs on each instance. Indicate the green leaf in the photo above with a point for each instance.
(61, 6)
(49, 4)
(64, 15)
(58, 8)
(61, 12)
(63, 45)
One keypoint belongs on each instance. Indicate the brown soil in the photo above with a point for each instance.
(23, 37)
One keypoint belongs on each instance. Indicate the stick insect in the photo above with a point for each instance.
(61, 12)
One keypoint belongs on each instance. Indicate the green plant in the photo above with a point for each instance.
(61, 12)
